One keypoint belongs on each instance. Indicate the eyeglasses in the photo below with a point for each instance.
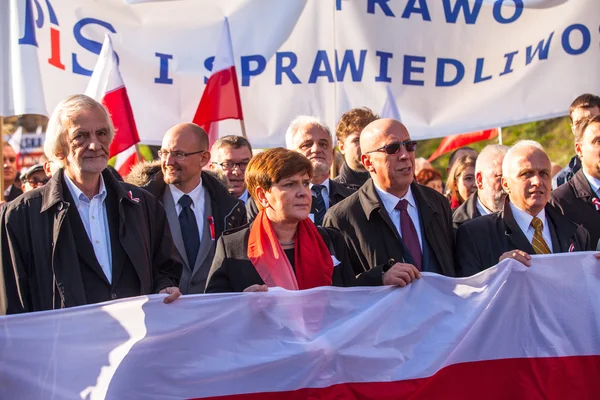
(37, 182)
(230, 166)
(394, 148)
(177, 155)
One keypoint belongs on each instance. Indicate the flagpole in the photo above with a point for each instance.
(499, 135)
(243, 125)
(138, 153)
(2, 157)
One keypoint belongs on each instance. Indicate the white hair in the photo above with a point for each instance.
(302, 121)
(522, 144)
(58, 124)
(489, 155)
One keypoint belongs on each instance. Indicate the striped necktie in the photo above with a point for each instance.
(538, 242)
(318, 203)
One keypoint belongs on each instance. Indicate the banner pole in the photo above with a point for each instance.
(137, 153)
(243, 125)
(499, 135)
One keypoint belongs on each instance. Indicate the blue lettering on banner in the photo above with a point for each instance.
(585, 43)
(280, 69)
(497, 11)
(321, 59)
(247, 72)
(88, 44)
(208, 64)
(163, 77)
(464, 5)
(384, 59)
(479, 72)
(349, 61)
(509, 59)
(409, 69)
(542, 49)
(29, 30)
(412, 9)
(441, 72)
(338, 5)
(383, 4)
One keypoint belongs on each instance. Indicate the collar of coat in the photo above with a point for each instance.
(581, 186)
(52, 192)
(371, 202)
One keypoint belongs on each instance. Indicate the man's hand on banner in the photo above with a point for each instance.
(401, 275)
(256, 288)
(173, 294)
(518, 255)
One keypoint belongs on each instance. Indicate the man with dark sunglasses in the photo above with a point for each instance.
(392, 224)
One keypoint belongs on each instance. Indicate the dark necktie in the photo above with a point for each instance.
(409, 234)
(189, 229)
(318, 203)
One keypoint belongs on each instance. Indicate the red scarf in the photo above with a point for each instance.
(314, 266)
(454, 203)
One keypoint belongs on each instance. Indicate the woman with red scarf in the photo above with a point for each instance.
(282, 247)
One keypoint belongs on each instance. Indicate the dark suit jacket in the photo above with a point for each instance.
(337, 193)
(232, 270)
(466, 211)
(373, 240)
(350, 178)
(13, 194)
(574, 200)
(481, 242)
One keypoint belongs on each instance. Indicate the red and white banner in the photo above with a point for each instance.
(510, 332)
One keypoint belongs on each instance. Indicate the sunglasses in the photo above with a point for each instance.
(394, 148)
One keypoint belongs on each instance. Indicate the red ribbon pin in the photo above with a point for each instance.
(211, 224)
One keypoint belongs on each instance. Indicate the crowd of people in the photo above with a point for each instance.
(223, 219)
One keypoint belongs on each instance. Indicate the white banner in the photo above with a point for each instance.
(508, 332)
(452, 66)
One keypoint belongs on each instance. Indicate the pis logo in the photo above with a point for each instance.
(35, 19)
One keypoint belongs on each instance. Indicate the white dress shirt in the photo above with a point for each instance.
(594, 183)
(481, 208)
(197, 196)
(389, 203)
(324, 192)
(95, 220)
(524, 221)
(245, 196)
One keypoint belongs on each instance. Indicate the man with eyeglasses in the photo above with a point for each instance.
(34, 178)
(392, 225)
(199, 208)
(11, 191)
(231, 155)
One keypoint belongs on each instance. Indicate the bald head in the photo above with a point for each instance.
(377, 131)
(192, 132)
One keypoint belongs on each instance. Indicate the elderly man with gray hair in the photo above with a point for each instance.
(310, 137)
(489, 197)
(527, 225)
(84, 237)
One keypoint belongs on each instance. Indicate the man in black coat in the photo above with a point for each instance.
(84, 237)
(528, 224)
(579, 198)
(489, 197)
(391, 220)
(11, 191)
(197, 224)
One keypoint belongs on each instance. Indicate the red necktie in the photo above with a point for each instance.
(409, 234)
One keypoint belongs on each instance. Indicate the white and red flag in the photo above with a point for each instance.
(453, 142)
(107, 86)
(510, 332)
(221, 97)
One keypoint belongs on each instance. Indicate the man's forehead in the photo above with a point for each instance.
(230, 152)
(580, 113)
(312, 131)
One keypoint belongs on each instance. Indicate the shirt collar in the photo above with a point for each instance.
(244, 196)
(594, 183)
(196, 194)
(524, 219)
(483, 210)
(390, 201)
(324, 183)
(79, 196)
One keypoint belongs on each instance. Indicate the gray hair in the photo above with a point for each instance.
(488, 155)
(522, 144)
(301, 121)
(63, 114)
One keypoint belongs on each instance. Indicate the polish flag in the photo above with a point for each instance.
(221, 97)
(453, 142)
(107, 86)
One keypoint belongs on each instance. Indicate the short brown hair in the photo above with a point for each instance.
(271, 166)
(232, 141)
(354, 120)
(457, 169)
(586, 100)
(583, 125)
(427, 175)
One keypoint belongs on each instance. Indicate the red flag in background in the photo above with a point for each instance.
(453, 142)
(221, 97)
(107, 87)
